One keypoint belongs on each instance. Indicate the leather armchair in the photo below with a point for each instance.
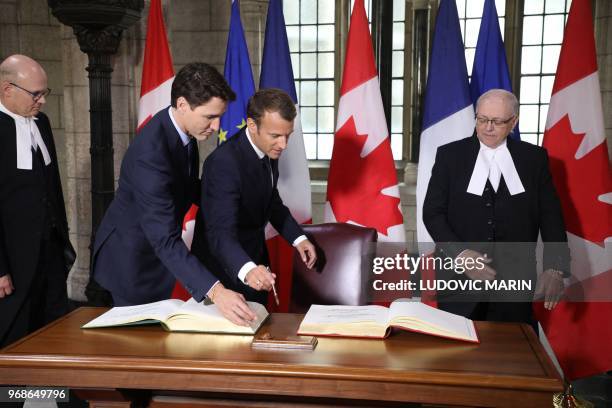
(345, 253)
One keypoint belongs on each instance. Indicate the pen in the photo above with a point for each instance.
(274, 290)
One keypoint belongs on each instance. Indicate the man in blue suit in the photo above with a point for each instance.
(138, 251)
(240, 196)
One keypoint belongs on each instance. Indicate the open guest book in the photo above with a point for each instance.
(176, 315)
(377, 321)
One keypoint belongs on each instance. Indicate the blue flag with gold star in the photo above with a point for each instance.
(238, 75)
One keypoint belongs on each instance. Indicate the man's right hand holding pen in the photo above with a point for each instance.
(260, 278)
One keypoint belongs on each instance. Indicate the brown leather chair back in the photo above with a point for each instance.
(345, 255)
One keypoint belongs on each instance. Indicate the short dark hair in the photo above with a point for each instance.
(198, 83)
(271, 100)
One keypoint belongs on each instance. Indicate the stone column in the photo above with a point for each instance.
(98, 29)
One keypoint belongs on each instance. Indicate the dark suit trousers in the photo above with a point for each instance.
(47, 297)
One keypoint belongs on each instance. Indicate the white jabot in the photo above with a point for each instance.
(27, 137)
(492, 164)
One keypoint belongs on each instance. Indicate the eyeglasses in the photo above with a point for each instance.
(481, 120)
(35, 95)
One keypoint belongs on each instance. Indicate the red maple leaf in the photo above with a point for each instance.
(355, 183)
(580, 182)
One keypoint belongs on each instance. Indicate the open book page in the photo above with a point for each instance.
(362, 321)
(157, 311)
(420, 317)
(194, 316)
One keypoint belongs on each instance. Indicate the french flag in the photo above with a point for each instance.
(448, 112)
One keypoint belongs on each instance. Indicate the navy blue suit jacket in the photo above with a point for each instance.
(138, 252)
(238, 200)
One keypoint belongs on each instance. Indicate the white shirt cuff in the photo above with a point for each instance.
(246, 268)
(298, 240)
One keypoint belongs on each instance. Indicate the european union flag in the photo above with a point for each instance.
(490, 69)
(238, 74)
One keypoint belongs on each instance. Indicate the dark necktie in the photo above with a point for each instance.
(265, 161)
(192, 157)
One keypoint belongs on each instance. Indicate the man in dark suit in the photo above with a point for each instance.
(35, 252)
(138, 251)
(489, 197)
(240, 196)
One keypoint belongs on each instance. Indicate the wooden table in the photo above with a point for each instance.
(109, 366)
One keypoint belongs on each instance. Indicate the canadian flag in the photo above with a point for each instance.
(157, 69)
(362, 185)
(580, 333)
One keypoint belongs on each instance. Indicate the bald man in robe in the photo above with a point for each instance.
(35, 252)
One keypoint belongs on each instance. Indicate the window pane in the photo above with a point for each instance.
(529, 137)
(547, 85)
(308, 40)
(471, 32)
(326, 120)
(291, 12)
(568, 5)
(326, 12)
(310, 30)
(396, 119)
(325, 145)
(530, 89)
(396, 146)
(533, 7)
(293, 35)
(326, 38)
(462, 27)
(399, 10)
(502, 27)
(474, 8)
(397, 65)
(553, 29)
(543, 116)
(461, 8)
(530, 60)
(398, 36)
(555, 6)
(500, 5)
(469, 59)
(309, 65)
(550, 58)
(397, 92)
(326, 65)
(532, 30)
(295, 64)
(308, 96)
(308, 14)
(309, 119)
(310, 144)
(326, 93)
(529, 118)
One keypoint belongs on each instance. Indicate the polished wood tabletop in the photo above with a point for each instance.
(509, 364)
